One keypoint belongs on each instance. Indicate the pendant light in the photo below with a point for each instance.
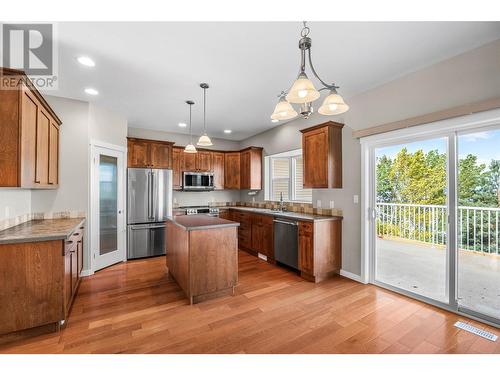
(204, 140)
(283, 110)
(303, 91)
(333, 104)
(190, 149)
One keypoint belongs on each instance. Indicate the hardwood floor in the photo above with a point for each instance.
(135, 307)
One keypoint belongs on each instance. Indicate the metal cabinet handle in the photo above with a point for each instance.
(286, 222)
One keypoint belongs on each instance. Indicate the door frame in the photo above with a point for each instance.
(94, 147)
(444, 128)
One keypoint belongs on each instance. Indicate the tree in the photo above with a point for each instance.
(494, 181)
(385, 191)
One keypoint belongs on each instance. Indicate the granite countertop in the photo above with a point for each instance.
(41, 230)
(201, 221)
(285, 214)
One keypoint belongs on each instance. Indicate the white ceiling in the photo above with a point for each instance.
(146, 71)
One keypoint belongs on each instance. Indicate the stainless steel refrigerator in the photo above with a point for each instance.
(149, 202)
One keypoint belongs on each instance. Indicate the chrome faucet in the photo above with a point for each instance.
(282, 206)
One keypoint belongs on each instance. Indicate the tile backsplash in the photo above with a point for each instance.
(12, 222)
(306, 208)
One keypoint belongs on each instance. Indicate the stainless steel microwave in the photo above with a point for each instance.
(197, 181)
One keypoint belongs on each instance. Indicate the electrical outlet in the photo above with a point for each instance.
(332, 204)
(356, 199)
(318, 203)
(253, 199)
(7, 211)
(175, 200)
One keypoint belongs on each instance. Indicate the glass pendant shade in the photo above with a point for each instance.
(190, 149)
(204, 141)
(302, 91)
(283, 111)
(333, 105)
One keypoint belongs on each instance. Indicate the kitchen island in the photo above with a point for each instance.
(202, 255)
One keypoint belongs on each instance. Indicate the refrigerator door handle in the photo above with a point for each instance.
(152, 195)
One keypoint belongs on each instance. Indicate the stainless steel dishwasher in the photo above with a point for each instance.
(286, 242)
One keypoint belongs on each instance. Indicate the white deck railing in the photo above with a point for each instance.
(478, 227)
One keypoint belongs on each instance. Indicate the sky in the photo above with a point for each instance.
(485, 145)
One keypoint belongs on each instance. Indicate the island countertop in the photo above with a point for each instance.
(41, 230)
(201, 221)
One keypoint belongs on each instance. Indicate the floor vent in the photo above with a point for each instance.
(477, 331)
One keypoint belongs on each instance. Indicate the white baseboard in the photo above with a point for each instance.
(86, 273)
(352, 276)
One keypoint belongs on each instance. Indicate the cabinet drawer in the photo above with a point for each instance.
(242, 217)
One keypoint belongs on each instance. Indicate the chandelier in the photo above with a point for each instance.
(303, 91)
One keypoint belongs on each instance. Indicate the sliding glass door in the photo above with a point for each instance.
(478, 268)
(434, 227)
(411, 223)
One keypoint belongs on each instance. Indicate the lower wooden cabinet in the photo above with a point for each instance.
(320, 249)
(39, 281)
(319, 242)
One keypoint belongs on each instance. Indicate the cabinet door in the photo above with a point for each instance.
(176, 167)
(268, 236)
(306, 248)
(138, 154)
(315, 154)
(160, 155)
(53, 154)
(257, 238)
(218, 169)
(80, 256)
(245, 170)
(189, 162)
(68, 292)
(232, 170)
(74, 269)
(42, 148)
(29, 118)
(204, 161)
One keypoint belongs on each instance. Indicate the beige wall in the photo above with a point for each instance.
(107, 126)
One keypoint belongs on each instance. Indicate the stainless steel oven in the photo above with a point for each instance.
(197, 181)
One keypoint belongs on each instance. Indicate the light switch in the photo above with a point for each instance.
(332, 204)
(356, 199)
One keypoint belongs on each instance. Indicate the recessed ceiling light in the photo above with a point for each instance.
(274, 120)
(87, 61)
(91, 91)
(228, 131)
(182, 124)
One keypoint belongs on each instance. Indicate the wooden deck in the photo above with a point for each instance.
(135, 307)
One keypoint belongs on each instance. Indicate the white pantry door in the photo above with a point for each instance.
(108, 201)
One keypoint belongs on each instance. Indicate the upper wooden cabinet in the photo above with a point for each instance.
(29, 143)
(251, 168)
(322, 155)
(145, 153)
(218, 169)
(204, 161)
(232, 170)
(176, 167)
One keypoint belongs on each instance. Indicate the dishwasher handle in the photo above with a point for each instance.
(294, 223)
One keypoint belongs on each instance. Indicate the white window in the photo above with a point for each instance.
(285, 173)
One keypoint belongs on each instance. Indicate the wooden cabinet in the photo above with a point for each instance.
(204, 161)
(53, 154)
(39, 281)
(145, 153)
(232, 170)
(218, 169)
(29, 145)
(226, 214)
(176, 168)
(251, 168)
(263, 235)
(320, 248)
(244, 230)
(188, 161)
(306, 248)
(322, 155)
